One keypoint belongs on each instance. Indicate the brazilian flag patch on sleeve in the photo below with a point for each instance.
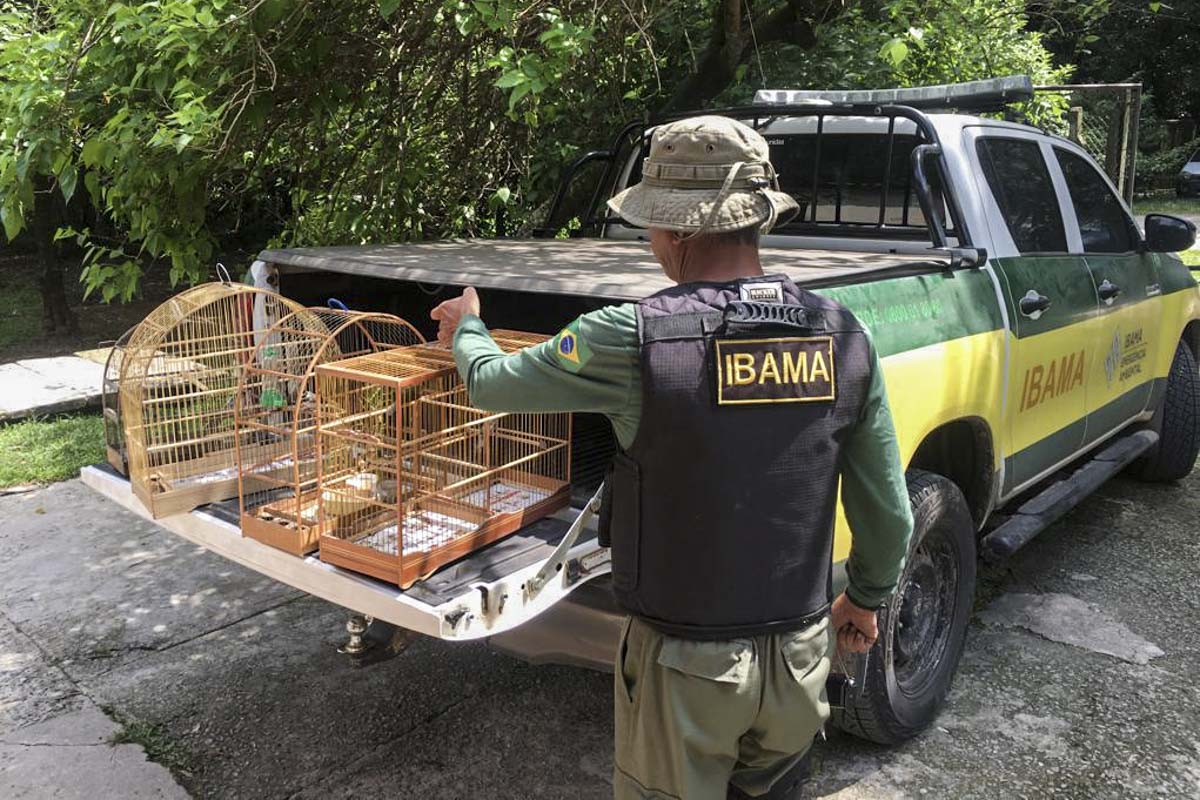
(572, 351)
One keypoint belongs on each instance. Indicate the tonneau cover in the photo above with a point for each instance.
(603, 268)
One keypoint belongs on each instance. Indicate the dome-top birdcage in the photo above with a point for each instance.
(110, 404)
(276, 416)
(179, 379)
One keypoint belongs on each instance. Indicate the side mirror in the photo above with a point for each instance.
(1167, 234)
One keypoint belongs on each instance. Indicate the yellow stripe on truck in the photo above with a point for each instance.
(927, 389)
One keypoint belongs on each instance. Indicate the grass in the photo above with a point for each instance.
(1191, 258)
(160, 747)
(1165, 204)
(48, 450)
(20, 309)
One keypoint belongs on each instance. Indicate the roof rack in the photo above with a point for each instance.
(992, 94)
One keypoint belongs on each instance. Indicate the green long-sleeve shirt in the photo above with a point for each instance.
(599, 371)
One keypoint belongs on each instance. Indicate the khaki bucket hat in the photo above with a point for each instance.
(705, 175)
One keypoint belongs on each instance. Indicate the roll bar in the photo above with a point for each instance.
(929, 152)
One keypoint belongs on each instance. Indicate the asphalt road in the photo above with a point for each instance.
(1079, 677)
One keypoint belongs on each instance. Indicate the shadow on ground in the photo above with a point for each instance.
(234, 682)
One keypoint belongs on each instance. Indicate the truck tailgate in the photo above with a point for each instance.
(479, 595)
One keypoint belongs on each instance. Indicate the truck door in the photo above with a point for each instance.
(1120, 379)
(1050, 301)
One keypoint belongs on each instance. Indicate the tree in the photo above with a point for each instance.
(179, 129)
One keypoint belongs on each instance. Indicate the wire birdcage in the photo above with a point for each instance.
(413, 477)
(276, 417)
(110, 405)
(179, 378)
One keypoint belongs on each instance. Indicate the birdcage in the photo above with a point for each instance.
(276, 417)
(110, 404)
(179, 378)
(413, 477)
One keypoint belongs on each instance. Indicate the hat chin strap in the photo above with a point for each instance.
(730, 177)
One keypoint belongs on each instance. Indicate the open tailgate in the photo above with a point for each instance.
(477, 596)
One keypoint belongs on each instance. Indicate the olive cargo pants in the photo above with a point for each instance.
(694, 716)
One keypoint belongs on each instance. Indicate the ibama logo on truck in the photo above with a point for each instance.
(1054, 379)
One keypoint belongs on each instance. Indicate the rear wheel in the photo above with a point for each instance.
(1177, 421)
(924, 626)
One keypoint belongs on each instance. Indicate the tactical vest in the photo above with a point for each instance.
(720, 514)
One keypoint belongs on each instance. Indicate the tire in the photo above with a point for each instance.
(923, 628)
(1177, 421)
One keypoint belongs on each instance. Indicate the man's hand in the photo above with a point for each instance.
(449, 312)
(857, 628)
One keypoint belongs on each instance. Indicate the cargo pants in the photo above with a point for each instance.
(693, 717)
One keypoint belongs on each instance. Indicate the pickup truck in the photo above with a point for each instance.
(1035, 341)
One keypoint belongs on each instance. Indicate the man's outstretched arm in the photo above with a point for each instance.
(875, 499)
(590, 366)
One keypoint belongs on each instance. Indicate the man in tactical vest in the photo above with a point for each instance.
(739, 400)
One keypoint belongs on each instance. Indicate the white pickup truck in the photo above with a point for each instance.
(1035, 341)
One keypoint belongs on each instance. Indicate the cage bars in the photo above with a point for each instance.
(178, 381)
(276, 417)
(412, 476)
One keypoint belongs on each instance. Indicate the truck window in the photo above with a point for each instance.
(1021, 184)
(1103, 224)
(850, 176)
(851, 171)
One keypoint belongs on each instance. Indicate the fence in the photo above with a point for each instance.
(1103, 119)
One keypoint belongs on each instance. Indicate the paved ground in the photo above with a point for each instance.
(233, 681)
(40, 386)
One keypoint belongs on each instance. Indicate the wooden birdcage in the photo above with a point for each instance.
(110, 404)
(277, 417)
(179, 378)
(413, 477)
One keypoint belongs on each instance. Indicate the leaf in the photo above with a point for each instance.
(66, 182)
(514, 77)
(1154, 7)
(92, 183)
(23, 160)
(894, 51)
(92, 153)
(516, 95)
(12, 219)
(181, 141)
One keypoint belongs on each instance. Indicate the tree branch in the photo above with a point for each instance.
(729, 42)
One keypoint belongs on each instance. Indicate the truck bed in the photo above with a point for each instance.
(599, 268)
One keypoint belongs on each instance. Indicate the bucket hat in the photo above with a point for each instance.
(705, 175)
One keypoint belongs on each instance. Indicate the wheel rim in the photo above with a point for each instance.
(924, 610)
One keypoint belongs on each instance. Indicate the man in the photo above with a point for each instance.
(738, 401)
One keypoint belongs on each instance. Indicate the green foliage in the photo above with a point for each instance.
(48, 450)
(179, 128)
(1163, 166)
(912, 43)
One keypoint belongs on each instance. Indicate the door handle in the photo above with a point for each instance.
(1108, 291)
(1033, 304)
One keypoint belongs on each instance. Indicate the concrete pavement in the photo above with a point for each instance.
(39, 386)
(234, 681)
